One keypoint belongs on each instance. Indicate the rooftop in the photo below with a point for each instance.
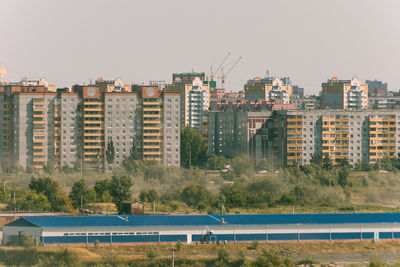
(206, 220)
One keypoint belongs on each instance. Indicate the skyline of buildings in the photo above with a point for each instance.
(70, 126)
(290, 137)
(41, 124)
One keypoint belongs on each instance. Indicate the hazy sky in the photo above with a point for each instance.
(73, 41)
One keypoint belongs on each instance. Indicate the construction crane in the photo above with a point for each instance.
(66, 200)
(212, 74)
(224, 75)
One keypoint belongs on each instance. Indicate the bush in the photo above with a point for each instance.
(254, 245)
(153, 253)
(377, 262)
(243, 165)
(96, 243)
(223, 255)
(26, 240)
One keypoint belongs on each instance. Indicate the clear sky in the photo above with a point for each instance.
(73, 41)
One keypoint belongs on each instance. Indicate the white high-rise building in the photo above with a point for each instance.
(197, 99)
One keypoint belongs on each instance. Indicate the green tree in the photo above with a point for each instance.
(343, 174)
(110, 152)
(153, 253)
(102, 187)
(152, 195)
(326, 162)
(193, 148)
(120, 189)
(34, 202)
(262, 164)
(316, 159)
(243, 165)
(344, 163)
(270, 258)
(217, 163)
(193, 195)
(1, 169)
(46, 186)
(80, 194)
(234, 196)
(133, 153)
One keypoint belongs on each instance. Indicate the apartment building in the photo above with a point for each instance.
(344, 94)
(269, 88)
(376, 88)
(26, 121)
(297, 91)
(309, 102)
(390, 100)
(160, 125)
(293, 137)
(40, 125)
(194, 96)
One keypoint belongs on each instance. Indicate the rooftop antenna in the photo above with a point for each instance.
(267, 74)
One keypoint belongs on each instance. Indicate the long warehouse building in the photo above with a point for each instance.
(204, 228)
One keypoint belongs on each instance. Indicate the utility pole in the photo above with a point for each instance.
(173, 257)
(190, 157)
(82, 162)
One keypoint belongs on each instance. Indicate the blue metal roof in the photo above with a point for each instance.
(199, 220)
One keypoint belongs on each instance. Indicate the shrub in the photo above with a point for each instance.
(26, 240)
(377, 262)
(153, 253)
(223, 255)
(254, 245)
(178, 245)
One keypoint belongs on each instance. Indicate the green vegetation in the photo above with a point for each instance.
(267, 254)
(236, 188)
(193, 149)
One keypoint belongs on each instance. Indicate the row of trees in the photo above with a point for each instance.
(44, 196)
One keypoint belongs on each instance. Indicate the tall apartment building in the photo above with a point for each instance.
(344, 94)
(160, 125)
(26, 122)
(40, 125)
(297, 91)
(376, 87)
(269, 88)
(294, 136)
(194, 96)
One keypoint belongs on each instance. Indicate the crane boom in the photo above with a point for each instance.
(65, 198)
(224, 75)
(220, 65)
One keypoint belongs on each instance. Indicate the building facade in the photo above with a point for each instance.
(294, 137)
(377, 87)
(309, 102)
(194, 96)
(269, 88)
(74, 127)
(390, 100)
(109, 230)
(344, 94)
